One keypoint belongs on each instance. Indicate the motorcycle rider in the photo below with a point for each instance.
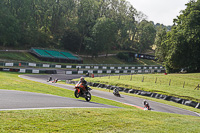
(84, 83)
(146, 105)
(50, 79)
(116, 91)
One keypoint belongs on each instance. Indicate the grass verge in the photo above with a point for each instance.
(171, 84)
(20, 56)
(96, 120)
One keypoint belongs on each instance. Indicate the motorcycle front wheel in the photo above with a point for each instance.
(88, 96)
(76, 94)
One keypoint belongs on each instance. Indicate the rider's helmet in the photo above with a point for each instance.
(81, 79)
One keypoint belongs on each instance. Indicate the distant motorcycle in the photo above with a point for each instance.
(81, 91)
(53, 81)
(49, 79)
(147, 108)
(146, 105)
(118, 95)
(116, 92)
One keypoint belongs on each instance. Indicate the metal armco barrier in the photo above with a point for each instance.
(93, 68)
(36, 71)
(82, 66)
(115, 71)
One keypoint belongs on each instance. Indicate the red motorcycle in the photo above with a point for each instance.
(81, 91)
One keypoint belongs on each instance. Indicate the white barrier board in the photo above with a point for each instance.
(68, 66)
(9, 64)
(32, 64)
(35, 71)
(80, 72)
(22, 70)
(100, 71)
(46, 65)
(68, 72)
(58, 66)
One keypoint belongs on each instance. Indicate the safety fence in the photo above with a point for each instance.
(104, 67)
(82, 69)
(37, 71)
(136, 71)
(34, 71)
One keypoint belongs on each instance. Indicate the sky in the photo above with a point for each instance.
(160, 11)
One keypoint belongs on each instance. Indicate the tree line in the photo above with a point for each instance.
(179, 48)
(89, 26)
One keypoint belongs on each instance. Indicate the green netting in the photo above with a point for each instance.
(55, 54)
(69, 55)
(42, 53)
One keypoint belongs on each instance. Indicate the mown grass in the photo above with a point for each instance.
(97, 120)
(148, 62)
(115, 60)
(19, 56)
(171, 84)
(126, 119)
(102, 60)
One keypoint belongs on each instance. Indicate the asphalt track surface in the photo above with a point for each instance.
(19, 100)
(16, 100)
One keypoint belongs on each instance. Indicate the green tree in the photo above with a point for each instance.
(104, 33)
(9, 29)
(43, 23)
(183, 41)
(87, 15)
(146, 34)
(161, 46)
(71, 40)
(91, 47)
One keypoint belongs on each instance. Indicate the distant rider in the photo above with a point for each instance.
(146, 105)
(116, 91)
(50, 79)
(84, 83)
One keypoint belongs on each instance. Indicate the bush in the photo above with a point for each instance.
(71, 40)
(127, 56)
(123, 56)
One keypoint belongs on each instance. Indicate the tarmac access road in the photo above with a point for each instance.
(125, 99)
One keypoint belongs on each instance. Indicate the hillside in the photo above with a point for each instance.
(27, 57)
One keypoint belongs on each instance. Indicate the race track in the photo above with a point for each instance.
(125, 99)
(18, 100)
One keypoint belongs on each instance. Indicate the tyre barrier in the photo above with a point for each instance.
(143, 93)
